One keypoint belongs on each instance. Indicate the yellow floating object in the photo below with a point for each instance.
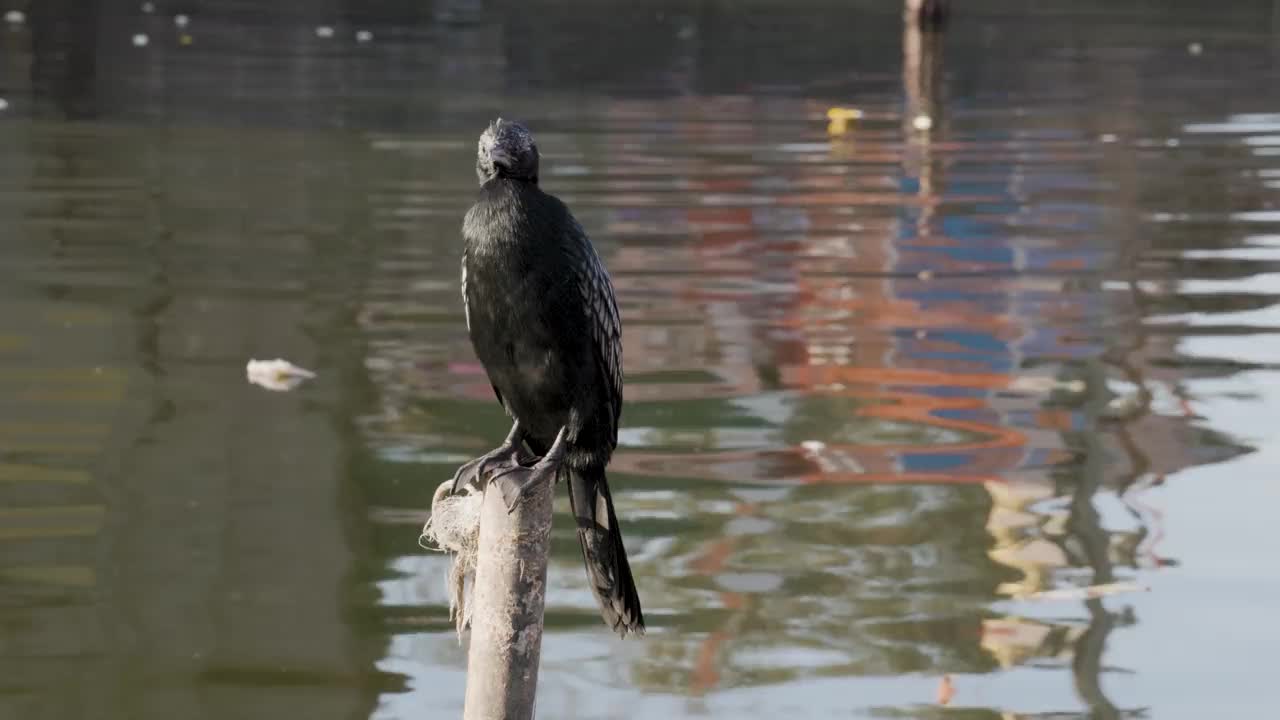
(840, 118)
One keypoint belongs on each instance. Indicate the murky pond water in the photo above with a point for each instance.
(893, 393)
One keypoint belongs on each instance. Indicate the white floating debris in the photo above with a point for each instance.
(922, 122)
(324, 31)
(1108, 137)
(925, 275)
(15, 17)
(1123, 407)
(1045, 384)
(181, 20)
(363, 36)
(278, 374)
(148, 7)
(1172, 142)
(4, 104)
(1195, 48)
(140, 40)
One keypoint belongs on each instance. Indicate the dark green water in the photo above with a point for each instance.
(883, 387)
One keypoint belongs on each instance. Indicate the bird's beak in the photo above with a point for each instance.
(499, 158)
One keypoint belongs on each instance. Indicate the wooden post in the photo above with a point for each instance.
(506, 606)
(921, 70)
(927, 14)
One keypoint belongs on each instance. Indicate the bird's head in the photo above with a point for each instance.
(507, 150)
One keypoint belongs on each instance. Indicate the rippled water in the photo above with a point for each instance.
(891, 392)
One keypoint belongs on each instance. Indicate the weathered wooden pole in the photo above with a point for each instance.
(927, 14)
(506, 605)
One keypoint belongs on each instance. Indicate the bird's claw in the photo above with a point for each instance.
(460, 477)
(473, 471)
(515, 482)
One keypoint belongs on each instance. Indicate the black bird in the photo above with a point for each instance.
(544, 322)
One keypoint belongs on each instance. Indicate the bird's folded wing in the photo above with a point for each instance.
(596, 293)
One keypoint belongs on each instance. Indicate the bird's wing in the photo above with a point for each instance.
(604, 325)
(466, 313)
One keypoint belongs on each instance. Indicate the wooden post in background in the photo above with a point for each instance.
(922, 117)
(507, 605)
(927, 14)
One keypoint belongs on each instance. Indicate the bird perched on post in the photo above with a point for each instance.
(543, 321)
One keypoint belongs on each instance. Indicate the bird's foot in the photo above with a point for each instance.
(514, 481)
(506, 457)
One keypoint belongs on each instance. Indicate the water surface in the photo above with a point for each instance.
(885, 388)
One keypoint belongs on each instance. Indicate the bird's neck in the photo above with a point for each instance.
(497, 181)
(508, 193)
(502, 208)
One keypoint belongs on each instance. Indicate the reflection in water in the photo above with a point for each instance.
(882, 387)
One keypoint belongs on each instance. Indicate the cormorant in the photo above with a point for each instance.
(543, 320)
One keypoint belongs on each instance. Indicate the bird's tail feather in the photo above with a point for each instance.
(603, 553)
